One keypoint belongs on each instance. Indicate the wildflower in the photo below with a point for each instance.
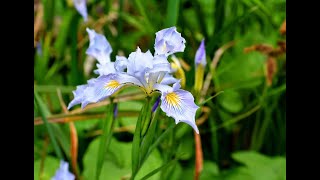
(151, 73)
(63, 173)
(81, 7)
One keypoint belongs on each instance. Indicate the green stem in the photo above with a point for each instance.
(137, 138)
(107, 127)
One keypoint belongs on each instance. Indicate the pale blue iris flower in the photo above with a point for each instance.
(63, 173)
(81, 7)
(200, 57)
(151, 73)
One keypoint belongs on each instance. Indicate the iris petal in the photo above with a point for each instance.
(81, 7)
(169, 41)
(180, 105)
(63, 172)
(99, 47)
(200, 57)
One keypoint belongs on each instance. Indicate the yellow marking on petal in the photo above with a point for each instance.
(112, 84)
(173, 99)
(164, 47)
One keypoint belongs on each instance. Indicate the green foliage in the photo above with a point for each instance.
(118, 161)
(249, 115)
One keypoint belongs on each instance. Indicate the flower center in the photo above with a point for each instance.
(173, 99)
(112, 84)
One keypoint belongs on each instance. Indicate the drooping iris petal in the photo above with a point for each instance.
(200, 57)
(81, 7)
(106, 85)
(178, 104)
(99, 47)
(169, 41)
(79, 93)
(63, 172)
(105, 69)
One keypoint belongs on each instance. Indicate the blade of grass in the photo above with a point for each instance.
(202, 103)
(50, 131)
(214, 40)
(49, 6)
(238, 118)
(200, 18)
(160, 138)
(159, 169)
(61, 41)
(142, 11)
(172, 13)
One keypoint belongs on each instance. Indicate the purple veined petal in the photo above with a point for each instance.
(180, 105)
(103, 87)
(121, 63)
(78, 95)
(63, 172)
(200, 57)
(139, 63)
(105, 69)
(99, 47)
(106, 85)
(169, 41)
(81, 7)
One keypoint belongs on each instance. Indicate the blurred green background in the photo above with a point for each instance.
(243, 129)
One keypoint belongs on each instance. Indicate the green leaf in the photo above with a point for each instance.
(61, 42)
(117, 161)
(44, 113)
(129, 105)
(149, 175)
(172, 12)
(149, 137)
(260, 166)
(210, 171)
(186, 147)
(51, 164)
(231, 101)
(106, 137)
(136, 144)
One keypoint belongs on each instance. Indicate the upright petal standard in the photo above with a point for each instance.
(169, 41)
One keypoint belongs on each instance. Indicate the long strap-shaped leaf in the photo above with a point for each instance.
(50, 131)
